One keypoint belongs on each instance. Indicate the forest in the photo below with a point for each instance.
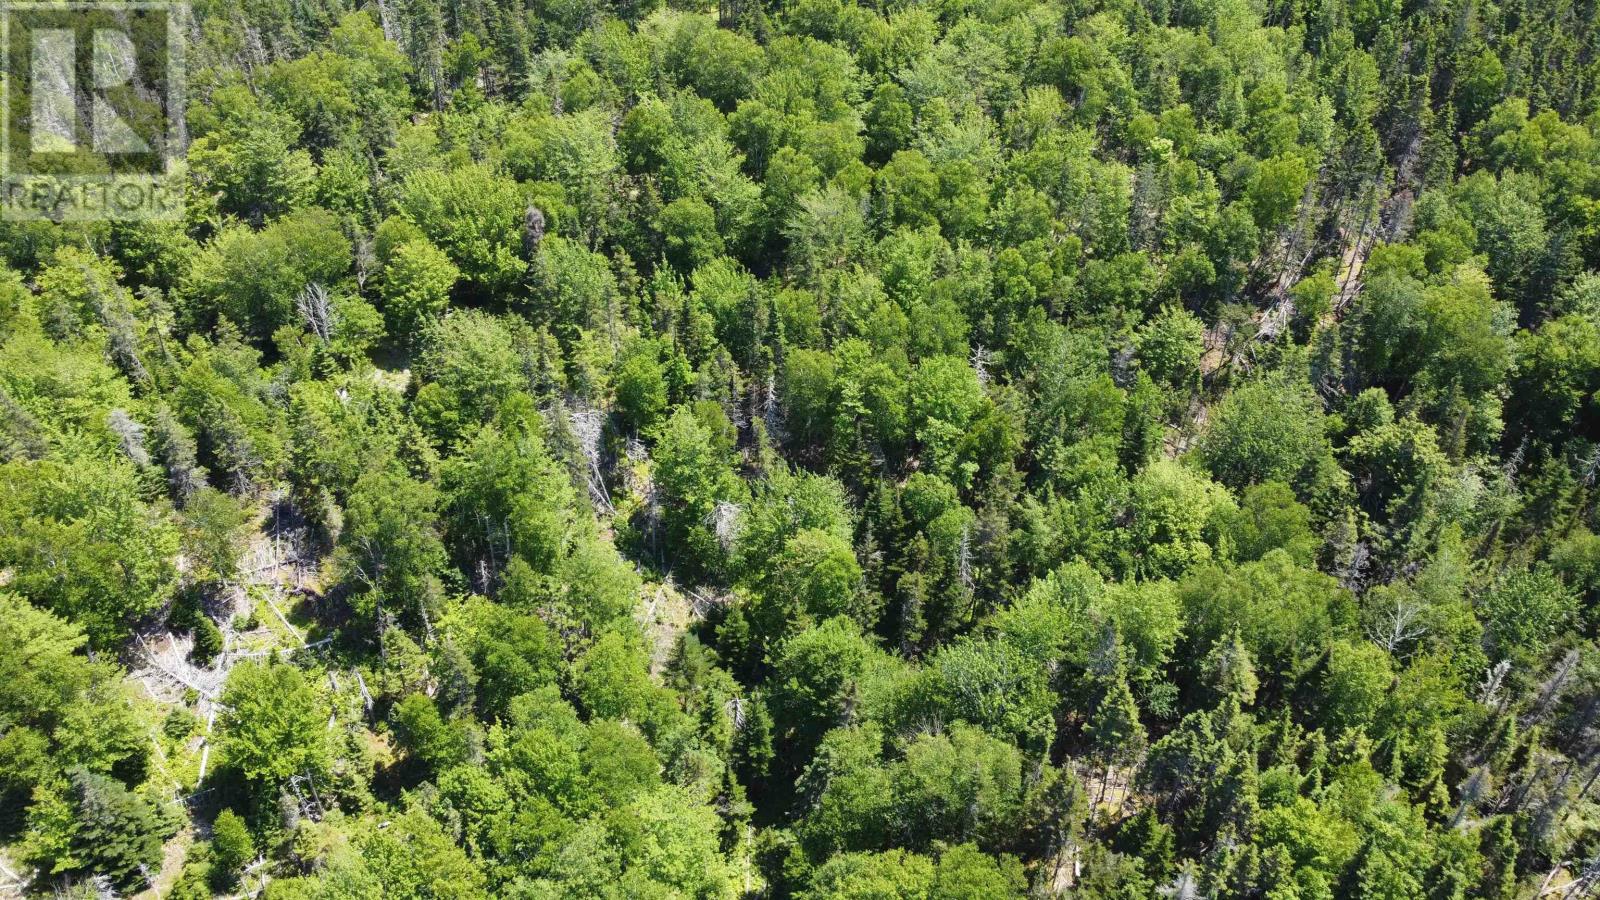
(928, 449)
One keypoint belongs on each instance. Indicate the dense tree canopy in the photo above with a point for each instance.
(819, 449)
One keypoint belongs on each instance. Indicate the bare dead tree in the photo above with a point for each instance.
(1591, 467)
(588, 426)
(1398, 622)
(980, 365)
(964, 558)
(310, 807)
(131, 433)
(316, 310)
(1514, 461)
(725, 522)
(366, 695)
(1551, 876)
(1185, 886)
(366, 261)
(241, 451)
(702, 602)
(1493, 680)
(1550, 691)
(124, 345)
(533, 227)
(1584, 885)
(391, 32)
(1472, 791)
(735, 708)
(771, 410)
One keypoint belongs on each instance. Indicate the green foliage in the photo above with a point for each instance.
(475, 216)
(641, 387)
(612, 680)
(960, 873)
(1174, 511)
(781, 450)
(814, 577)
(59, 710)
(213, 530)
(389, 549)
(1357, 677)
(78, 541)
(415, 858)
(573, 288)
(272, 726)
(945, 400)
(231, 845)
(115, 831)
(512, 654)
(505, 496)
(1276, 190)
(959, 787)
(1285, 613)
(250, 160)
(254, 279)
(469, 367)
(1523, 611)
(694, 479)
(671, 843)
(1170, 345)
(1270, 518)
(426, 735)
(1114, 730)
(815, 675)
(689, 229)
(1268, 430)
(417, 280)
